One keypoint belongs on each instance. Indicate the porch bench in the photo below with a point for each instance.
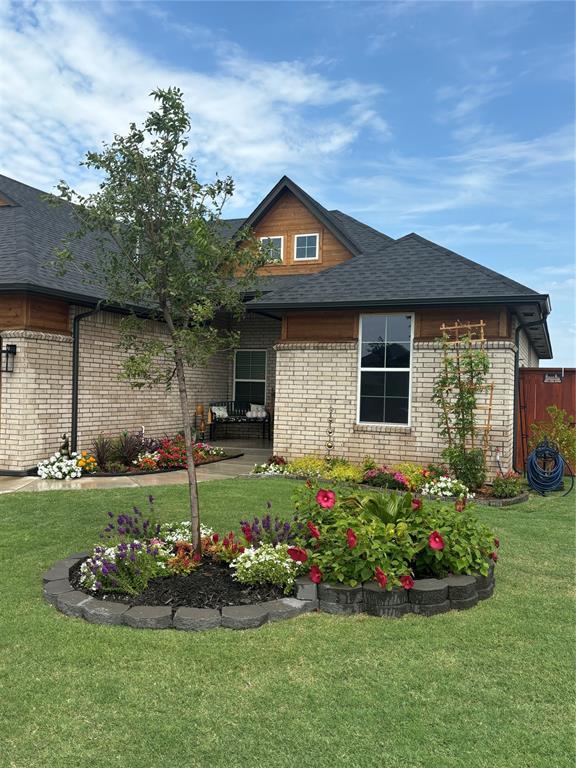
(237, 413)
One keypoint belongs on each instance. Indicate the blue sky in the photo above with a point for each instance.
(452, 119)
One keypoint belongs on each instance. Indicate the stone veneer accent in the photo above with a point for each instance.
(312, 376)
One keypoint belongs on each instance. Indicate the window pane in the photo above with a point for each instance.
(250, 391)
(251, 365)
(397, 384)
(373, 328)
(306, 246)
(372, 409)
(396, 410)
(372, 384)
(398, 328)
(273, 247)
(398, 355)
(373, 355)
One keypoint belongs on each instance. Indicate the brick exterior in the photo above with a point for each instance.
(35, 400)
(312, 376)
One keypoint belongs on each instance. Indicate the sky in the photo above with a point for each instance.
(451, 119)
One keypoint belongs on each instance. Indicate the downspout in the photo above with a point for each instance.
(519, 328)
(75, 372)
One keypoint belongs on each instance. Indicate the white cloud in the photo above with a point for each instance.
(68, 82)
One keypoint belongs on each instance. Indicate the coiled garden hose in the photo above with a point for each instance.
(541, 478)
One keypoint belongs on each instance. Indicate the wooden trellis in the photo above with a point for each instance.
(453, 336)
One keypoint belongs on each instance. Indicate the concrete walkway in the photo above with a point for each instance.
(254, 452)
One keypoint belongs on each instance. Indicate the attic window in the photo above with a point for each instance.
(306, 247)
(273, 247)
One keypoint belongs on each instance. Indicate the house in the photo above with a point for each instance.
(334, 287)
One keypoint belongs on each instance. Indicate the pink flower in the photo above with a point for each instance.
(247, 531)
(315, 574)
(313, 530)
(407, 581)
(215, 538)
(325, 498)
(351, 538)
(380, 577)
(416, 504)
(435, 541)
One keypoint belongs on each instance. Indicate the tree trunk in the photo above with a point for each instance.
(183, 394)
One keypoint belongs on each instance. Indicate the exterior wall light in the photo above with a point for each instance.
(7, 358)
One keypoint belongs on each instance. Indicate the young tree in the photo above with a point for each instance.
(163, 253)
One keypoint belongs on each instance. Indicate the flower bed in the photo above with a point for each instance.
(386, 554)
(128, 454)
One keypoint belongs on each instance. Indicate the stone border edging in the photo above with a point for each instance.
(427, 597)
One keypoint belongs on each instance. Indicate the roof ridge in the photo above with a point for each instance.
(474, 264)
(363, 224)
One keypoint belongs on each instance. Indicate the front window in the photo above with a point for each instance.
(250, 376)
(306, 247)
(385, 358)
(273, 247)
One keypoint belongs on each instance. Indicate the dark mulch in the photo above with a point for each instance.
(210, 586)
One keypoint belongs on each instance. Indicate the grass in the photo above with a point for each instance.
(488, 687)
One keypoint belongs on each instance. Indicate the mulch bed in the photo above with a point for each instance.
(210, 586)
(129, 472)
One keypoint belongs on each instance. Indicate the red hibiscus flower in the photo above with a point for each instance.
(493, 556)
(460, 505)
(313, 530)
(351, 538)
(496, 543)
(407, 581)
(325, 498)
(416, 504)
(315, 574)
(435, 541)
(298, 554)
(380, 577)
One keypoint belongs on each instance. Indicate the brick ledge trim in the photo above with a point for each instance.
(476, 345)
(319, 345)
(37, 336)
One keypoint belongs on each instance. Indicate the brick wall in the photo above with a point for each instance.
(35, 400)
(312, 376)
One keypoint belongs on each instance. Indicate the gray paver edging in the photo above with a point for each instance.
(428, 597)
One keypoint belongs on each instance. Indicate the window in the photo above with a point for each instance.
(305, 247)
(385, 351)
(274, 247)
(250, 376)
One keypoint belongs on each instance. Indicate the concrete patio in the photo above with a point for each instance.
(254, 452)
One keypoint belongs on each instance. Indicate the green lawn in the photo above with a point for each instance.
(488, 687)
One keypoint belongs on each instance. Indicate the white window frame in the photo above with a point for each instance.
(309, 234)
(275, 237)
(384, 370)
(259, 380)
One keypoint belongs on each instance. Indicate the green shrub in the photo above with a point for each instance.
(468, 466)
(559, 430)
(345, 473)
(307, 466)
(506, 486)
(268, 564)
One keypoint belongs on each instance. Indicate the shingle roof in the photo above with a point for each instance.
(408, 270)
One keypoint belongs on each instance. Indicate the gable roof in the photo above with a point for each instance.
(384, 272)
(325, 217)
